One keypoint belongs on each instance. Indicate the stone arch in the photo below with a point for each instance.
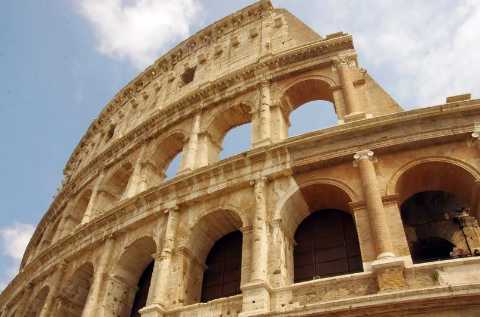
(204, 234)
(309, 88)
(408, 178)
(114, 186)
(161, 153)
(300, 201)
(74, 293)
(293, 90)
(297, 195)
(79, 208)
(435, 196)
(126, 274)
(219, 124)
(36, 305)
(49, 234)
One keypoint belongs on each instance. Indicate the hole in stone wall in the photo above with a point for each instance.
(110, 133)
(188, 75)
(236, 141)
(312, 116)
(431, 226)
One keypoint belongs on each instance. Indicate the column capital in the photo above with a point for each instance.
(474, 138)
(260, 181)
(173, 209)
(344, 61)
(364, 155)
(264, 83)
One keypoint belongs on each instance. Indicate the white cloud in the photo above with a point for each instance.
(139, 30)
(422, 51)
(13, 241)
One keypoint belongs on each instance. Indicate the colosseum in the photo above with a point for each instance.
(375, 216)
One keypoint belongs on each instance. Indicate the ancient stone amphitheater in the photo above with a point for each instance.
(375, 216)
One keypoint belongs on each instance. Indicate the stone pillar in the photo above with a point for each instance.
(352, 103)
(99, 280)
(157, 295)
(256, 293)
(208, 149)
(55, 286)
(89, 213)
(388, 268)
(262, 135)
(282, 264)
(25, 301)
(373, 200)
(119, 298)
(189, 160)
(134, 185)
(260, 233)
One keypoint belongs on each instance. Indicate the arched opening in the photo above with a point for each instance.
(165, 160)
(173, 166)
(223, 123)
(127, 291)
(326, 245)
(214, 268)
(49, 234)
(236, 140)
(223, 268)
(432, 226)
(318, 221)
(143, 287)
(312, 106)
(435, 204)
(312, 116)
(80, 207)
(75, 292)
(36, 305)
(113, 188)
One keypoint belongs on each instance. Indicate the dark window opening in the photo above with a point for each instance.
(326, 245)
(188, 75)
(223, 272)
(431, 249)
(142, 293)
(432, 228)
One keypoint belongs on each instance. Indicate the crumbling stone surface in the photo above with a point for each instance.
(116, 213)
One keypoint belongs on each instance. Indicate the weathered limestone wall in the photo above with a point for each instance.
(116, 213)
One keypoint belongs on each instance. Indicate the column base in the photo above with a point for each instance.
(356, 116)
(154, 310)
(256, 299)
(261, 143)
(389, 271)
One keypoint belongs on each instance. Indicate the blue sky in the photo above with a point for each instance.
(62, 60)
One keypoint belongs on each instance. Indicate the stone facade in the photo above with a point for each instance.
(116, 212)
